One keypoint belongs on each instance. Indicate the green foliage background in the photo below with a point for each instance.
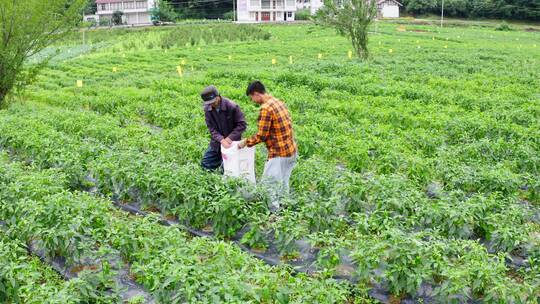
(496, 9)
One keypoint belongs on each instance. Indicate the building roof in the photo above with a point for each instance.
(396, 2)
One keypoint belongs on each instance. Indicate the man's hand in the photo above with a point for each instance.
(226, 143)
(242, 144)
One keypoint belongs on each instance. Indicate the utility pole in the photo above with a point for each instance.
(442, 13)
(83, 36)
(234, 10)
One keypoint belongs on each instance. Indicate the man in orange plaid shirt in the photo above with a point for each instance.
(275, 130)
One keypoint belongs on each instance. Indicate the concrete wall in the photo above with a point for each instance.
(315, 5)
(390, 11)
(242, 10)
(137, 18)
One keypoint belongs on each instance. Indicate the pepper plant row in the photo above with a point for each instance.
(330, 205)
(25, 279)
(174, 268)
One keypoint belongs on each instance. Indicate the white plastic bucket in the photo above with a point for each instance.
(239, 162)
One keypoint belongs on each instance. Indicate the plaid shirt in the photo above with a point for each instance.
(275, 129)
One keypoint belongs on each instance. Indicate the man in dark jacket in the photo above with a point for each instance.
(225, 122)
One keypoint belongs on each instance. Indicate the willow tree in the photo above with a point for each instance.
(351, 18)
(26, 28)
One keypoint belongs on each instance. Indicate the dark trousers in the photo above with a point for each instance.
(212, 159)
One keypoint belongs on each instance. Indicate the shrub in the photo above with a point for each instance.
(504, 26)
(303, 14)
(104, 22)
(228, 15)
(117, 17)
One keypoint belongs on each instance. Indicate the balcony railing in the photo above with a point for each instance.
(272, 7)
(122, 6)
(125, 11)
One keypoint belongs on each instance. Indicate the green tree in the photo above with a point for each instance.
(197, 9)
(117, 17)
(509, 9)
(91, 7)
(163, 11)
(421, 6)
(456, 8)
(26, 28)
(350, 18)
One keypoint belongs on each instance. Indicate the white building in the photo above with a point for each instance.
(266, 10)
(303, 4)
(385, 8)
(388, 9)
(135, 11)
(315, 5)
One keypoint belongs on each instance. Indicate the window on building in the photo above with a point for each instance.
(289, 14)
(141, 4)
(104, 7)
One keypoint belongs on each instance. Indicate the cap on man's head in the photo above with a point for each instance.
(209, 95)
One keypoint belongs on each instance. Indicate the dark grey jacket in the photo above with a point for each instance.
(228, 121)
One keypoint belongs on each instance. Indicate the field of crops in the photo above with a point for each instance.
(418, 177)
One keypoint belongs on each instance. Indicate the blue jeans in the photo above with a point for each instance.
(212, 159)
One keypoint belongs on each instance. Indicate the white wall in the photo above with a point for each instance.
(144, 18)
(292, 18)
(390, 11)
(315, 5)
(301, 4)
(136, 18)
(242, 10)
